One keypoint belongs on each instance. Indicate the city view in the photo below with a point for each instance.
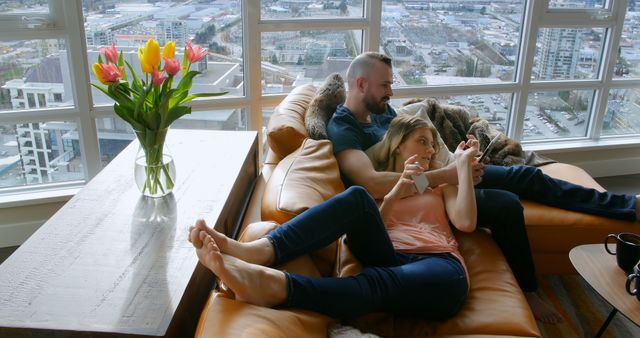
(433, 43)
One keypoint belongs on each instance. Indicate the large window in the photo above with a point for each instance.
(545, 72)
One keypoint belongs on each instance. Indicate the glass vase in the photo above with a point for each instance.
(155, 172)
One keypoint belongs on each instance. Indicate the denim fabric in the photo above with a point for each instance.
(531, 183)
(433, 285)
(501, 212)
(499, 209)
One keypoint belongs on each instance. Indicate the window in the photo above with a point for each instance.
(311, 9)
(294, 57)
(34, 68)
(446, 43)
(535, 70)
(568, 53)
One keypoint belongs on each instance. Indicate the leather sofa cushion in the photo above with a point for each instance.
(306, 177)
(286, 129)
(224, 317)
(495, 305)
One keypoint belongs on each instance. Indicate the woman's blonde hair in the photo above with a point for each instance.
(382, 153)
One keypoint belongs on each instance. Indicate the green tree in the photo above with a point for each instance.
(274, 59)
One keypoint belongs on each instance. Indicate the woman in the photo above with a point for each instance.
(512, 237)
(414, 268)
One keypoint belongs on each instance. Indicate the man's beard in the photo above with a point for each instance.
(376, 108)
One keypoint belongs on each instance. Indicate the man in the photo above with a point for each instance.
(364, 118)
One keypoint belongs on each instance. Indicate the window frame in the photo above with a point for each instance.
(65, 21)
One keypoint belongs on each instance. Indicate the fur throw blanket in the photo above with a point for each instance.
(452, 122)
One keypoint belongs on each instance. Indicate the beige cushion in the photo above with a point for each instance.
(286, 129)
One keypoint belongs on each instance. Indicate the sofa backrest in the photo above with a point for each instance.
(306, 173)
(286, 129)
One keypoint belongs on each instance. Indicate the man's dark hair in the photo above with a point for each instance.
(363, 63)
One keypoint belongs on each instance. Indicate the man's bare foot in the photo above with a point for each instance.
(541, 310)
(251, 283)
(259, 251)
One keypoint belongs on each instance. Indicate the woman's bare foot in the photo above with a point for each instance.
(259, 251)
(541, 310)
(251, 283)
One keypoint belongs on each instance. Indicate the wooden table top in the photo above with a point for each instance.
(112, 262)
(601, 271)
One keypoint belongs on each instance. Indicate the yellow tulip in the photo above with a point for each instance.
(149, 56)
(169, 51)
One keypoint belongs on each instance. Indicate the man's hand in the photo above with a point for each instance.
(477, 168)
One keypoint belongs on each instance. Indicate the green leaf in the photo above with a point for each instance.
(126, 116)
(121, 64)
(140, 106)
(136, 81)
(100, 58)
(177, 113)
(104, 90)
(193, 96)
(187, 80)
(178, 97)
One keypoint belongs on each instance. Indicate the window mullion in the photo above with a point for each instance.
(87, 131)
(373, 14)
(609, 59)
(252, 65)
(530, 27)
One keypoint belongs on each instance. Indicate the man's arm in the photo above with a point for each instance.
(355, 164)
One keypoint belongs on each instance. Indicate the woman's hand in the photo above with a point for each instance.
(466, 152)
(405, 187)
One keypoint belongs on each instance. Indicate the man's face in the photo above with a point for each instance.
(378, 90)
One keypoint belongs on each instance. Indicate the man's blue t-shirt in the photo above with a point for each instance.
(345, 132)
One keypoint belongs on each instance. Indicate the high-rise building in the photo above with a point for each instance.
(559, 53)
(173, 31)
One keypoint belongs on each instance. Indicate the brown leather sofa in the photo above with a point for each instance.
(299, 173)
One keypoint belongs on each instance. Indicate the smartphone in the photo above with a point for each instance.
(421, 182)
(488, 149)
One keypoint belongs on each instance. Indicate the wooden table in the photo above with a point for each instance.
(111, 262)
(601, 271)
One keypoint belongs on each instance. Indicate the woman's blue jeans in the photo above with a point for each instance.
(430, 285)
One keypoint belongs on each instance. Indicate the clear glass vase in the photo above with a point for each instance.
(155, 175)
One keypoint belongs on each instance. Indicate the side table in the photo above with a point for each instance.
(602, 273)
(112, 263)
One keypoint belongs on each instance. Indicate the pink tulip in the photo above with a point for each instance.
(108, 73)
(195, 53)
(172, 66)
(158, 77)
(110, 53)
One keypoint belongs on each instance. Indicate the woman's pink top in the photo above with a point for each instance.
(419, 224)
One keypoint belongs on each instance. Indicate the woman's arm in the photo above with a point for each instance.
(402, 188)
(460, 201)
